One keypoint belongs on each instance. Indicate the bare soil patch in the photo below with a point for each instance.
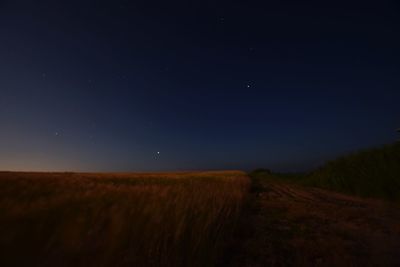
(290, 225)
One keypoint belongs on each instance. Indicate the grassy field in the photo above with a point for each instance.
(189, 218)
(74, 219)
(367, 173)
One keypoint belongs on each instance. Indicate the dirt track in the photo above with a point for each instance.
(290, 225)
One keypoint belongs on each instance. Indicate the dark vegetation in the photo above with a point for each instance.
(367, 173)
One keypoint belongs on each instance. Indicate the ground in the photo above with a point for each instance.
(189, 219)
(290, 225)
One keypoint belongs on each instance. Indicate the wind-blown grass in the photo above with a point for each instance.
(67, 219)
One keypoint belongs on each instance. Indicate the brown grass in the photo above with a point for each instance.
(76, 219)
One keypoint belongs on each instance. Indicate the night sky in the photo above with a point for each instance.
(161, 85)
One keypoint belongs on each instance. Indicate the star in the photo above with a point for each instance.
(248, 86)
(158, 152)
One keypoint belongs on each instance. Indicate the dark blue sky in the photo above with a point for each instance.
(106, 85)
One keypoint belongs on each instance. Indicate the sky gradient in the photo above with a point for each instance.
(161, 85)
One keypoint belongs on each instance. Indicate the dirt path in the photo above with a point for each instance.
(290, 225)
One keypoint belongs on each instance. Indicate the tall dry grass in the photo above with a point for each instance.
(68, 219)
